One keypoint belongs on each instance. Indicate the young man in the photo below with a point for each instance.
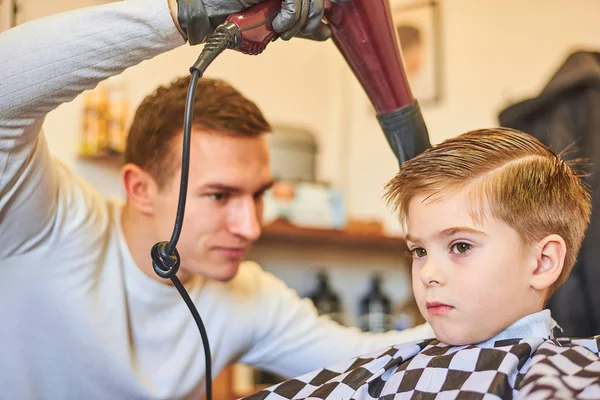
(494, 222)
(83, 314)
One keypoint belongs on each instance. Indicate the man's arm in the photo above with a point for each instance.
(48, 62)
(291, 339)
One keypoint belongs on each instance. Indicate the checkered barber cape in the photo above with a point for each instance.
(533, 368)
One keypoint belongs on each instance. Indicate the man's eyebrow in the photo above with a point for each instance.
(266, 186)
(447, 233)
(234, 189)
(221, 188)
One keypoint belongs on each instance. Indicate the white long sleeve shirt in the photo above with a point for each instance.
(78, 318)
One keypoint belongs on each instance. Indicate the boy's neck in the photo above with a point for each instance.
(538, 324)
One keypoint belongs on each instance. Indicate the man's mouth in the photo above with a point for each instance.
(232, 252)
(437, 308)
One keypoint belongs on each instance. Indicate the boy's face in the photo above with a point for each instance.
(470, 280)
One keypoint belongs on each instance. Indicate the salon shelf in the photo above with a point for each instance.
(112, 160)
(102, 157)
(282, 231)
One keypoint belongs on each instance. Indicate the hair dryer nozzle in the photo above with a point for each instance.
(363, 32)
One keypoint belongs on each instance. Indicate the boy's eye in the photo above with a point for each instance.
(419, 252)
(460, 248)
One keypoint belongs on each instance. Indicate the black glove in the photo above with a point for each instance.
(199, 18)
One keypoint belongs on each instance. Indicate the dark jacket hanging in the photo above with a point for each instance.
(567, 113)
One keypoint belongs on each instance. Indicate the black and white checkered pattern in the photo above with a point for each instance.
(536, 368)
(564, 369)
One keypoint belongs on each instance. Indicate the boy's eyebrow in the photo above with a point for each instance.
(448, 232)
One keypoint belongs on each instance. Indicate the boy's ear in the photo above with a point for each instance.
(140, 187)
(550, 258)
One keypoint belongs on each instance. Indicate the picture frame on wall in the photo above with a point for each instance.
(418, 29)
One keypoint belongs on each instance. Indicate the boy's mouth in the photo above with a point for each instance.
(437, 308)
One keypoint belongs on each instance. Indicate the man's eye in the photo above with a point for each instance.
(419, 252)
(460, 248)
(217, 196)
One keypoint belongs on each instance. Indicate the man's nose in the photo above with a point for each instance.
(431, 274)
(245, 220)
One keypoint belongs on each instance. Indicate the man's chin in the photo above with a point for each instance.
(222, 272)
(226, 276)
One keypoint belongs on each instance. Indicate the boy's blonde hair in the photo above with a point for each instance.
(523, 182)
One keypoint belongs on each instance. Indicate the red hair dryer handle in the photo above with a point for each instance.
(256, 26)
(364, 33)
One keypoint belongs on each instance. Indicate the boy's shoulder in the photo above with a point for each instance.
(565, 366)
(502, 368)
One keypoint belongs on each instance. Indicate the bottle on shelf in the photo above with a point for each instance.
(117, 114)
(105, 118)
(375, 309)
(407, 316)
(95, 123)
(325, 298)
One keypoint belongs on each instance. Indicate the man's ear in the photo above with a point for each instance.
(550, 258)
(140, 187)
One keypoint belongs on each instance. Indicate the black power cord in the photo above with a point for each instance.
(165, 258)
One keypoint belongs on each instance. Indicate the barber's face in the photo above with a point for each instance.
(228, 177)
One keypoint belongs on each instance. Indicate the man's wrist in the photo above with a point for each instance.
(173, 9)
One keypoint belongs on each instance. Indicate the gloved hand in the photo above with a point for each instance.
(199, 18)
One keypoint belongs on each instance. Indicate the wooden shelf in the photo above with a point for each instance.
(284, 232)
(106, 159)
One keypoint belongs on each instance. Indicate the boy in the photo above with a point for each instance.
(494, 222)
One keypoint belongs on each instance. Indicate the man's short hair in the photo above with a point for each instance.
(218, 107)
(519, 180)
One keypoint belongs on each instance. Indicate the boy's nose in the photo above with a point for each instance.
(431, 274)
